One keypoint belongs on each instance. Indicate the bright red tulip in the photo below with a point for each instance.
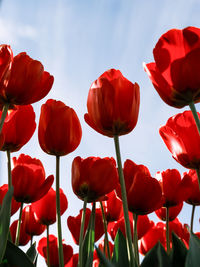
(175, 72)
(14, 204)
(28, 179)
(24, 238)
(74, 224)
(46, 215)
(73, 262)
(173, 212)
(59, 131)
(18, 127)
(194, 197)
(182, 139)
(113, 104)
(93, 177)
(22, 80)
(53, 251)
(31, 225)
(174, 189)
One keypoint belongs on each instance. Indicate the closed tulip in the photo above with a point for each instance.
(194, 197)
(24, 238)
(173, 212)
(14, 204)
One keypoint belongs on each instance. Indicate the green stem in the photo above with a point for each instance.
(135, 239)
(195, 115)
(80, 258)
(31, 241)
(3, 115)
(48, 259)
(19, 225)
(58, 216)
(192, 218)
(124, 202)
(92, 231)
(198, 176)
(9, 169)
(106, 242)
(167, 230)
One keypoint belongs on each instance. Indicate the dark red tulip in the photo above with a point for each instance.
(93, 177)
(175, 72)
(181, 137)
(28, 179)
(22, 80)
(113, 104)
(194, 197)
(173, 212)
(46, 215)
(24, 238)
(74, 224)
(31, 225)
(18, 127)
(59, 131)
(73, 261)
(174, 189)
(14, 204)
(53, 251)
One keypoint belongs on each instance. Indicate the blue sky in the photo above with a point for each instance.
(77, 41)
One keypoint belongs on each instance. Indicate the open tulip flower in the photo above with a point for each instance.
(93, 177)
(182, 139)
(28, 179)
(22, 80)
(175, 72)
(113, 104)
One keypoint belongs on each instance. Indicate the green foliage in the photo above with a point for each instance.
(32, 253)
(193, 255)
(178, 253)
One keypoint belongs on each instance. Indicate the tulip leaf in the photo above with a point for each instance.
(179, 252)
(32, 253)
(103, 260)
(156, 257)
(193, 255)
(5, 221)
(16, 257)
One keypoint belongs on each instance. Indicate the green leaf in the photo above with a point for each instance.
(193, 256)
(156, 257)
(32, 253)
(179, 252)
(120, 255)
(5, 221)
(103, 260)
(16, 257)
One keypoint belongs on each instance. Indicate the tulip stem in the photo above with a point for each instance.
(58, 217)
(81, 236)
(124, 202)
(3, 115)
(19, 225)
(31, 241)
(48, 259)
(106, 244)
(9, 169)
(195, 115)
(192, 217)
(167, 230)
(135, 239)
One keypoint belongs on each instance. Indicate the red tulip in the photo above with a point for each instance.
(173, 212)
(103, 248)
(18, 127)
(194, 197)
(45, 215)
(174, 189)
(14, 204)
(73, 262)
(182, 139)
(59, 129)
(93, 177)
(74, 224)
(113, 104)
(175, 72)
(31, 225)
(23, 80)
(28, 179)
(24, 238)
(53, 251)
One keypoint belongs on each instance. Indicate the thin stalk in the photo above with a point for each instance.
(92, 231)
(124, 202)
(192, 218)
(58, 217)
(9, 169)
(80, 257)
(135, 239)
(195, 115)
(19, 225)
(106, 242)
(3, 115)
(198, 176)
(48, 259)
(31, 241)
(167, 230)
